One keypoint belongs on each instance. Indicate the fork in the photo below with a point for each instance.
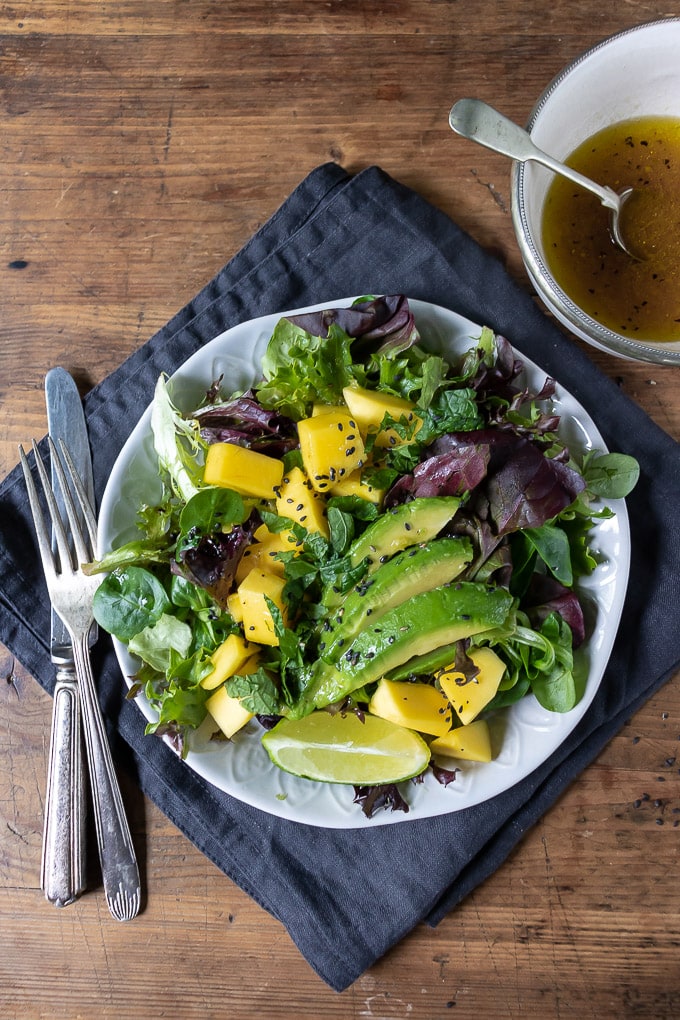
(71, 592)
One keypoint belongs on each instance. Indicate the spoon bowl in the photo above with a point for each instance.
(479, 122)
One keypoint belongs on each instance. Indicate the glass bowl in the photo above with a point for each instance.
(635, 73)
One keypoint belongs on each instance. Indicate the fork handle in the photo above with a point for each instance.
(62, 872)
(120, 872)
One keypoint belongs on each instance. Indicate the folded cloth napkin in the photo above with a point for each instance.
(346, 897)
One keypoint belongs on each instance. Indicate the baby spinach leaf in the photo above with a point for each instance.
(129, 600)
(611, 475)
(212, 509)
(552, 545)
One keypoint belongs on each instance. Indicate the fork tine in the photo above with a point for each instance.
(39, 523)
(58, 530)
(84, 503)
(82, 553)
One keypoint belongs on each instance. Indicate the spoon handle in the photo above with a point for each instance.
(479, 122)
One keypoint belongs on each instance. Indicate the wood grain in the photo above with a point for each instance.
(141, 146)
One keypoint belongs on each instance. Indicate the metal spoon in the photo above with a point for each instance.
(479, 122)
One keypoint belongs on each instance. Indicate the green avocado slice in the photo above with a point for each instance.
(407, 524)
(421, 623)
(410, 572)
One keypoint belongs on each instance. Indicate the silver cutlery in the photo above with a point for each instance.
(71, 593)
(62, 869)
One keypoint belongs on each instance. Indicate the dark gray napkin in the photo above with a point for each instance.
(347, 897)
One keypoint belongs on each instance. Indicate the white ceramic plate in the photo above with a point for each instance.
(525, 735)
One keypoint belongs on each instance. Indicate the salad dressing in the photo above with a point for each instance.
(638, 298)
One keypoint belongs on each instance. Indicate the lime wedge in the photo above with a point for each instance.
(343, 748)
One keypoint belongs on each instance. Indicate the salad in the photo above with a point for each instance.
(371, 546)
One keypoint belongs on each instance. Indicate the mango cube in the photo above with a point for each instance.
(416, 706)
(356, 485)
(246, 471)
(369, 407)
(471, 742)
(234, 607)
(470, 697)
(228, 712)
(326, 408)
(253, 592)
(331, 447)
(227, 660)
(298, 501)
(263, 554)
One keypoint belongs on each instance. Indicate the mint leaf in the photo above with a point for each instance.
(257, 692)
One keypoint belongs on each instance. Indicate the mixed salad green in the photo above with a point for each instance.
(519, 500)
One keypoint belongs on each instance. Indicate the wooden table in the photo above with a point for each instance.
(142, 143)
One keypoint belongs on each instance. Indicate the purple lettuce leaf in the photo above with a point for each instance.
(546, 595)
(388, 319)
(513, 483)
(245, 422)
(378, 798)
(213, 561)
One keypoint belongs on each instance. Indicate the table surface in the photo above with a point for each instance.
(142, 145)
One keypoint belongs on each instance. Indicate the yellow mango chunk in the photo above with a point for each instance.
(246, 471)
(253, 592)
(469, 698)
(263, 553)
(331, 447)
(355, 485)
(228, 712)
(414, 705)
(326, 408)
(471, 742)
(234, 607)
(227, 660)
(298, 501)
(368, 408)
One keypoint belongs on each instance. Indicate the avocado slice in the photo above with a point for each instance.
(402, 526)
(425, 621)
(410, 572)
(407, 524)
